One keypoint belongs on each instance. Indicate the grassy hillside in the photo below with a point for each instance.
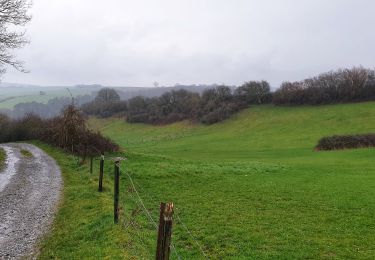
(263, 133)
(250, 187)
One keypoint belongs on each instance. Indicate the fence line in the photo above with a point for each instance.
(141, 201)
(148, 213)
(199, 246)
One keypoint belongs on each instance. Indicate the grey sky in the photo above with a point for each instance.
(134, 43)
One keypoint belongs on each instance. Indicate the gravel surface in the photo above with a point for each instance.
(29, 192)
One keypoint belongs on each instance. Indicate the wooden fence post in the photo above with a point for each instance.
(117, 189)
(101, 172)
(165, 231)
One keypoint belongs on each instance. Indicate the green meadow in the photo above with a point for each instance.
(251, 187)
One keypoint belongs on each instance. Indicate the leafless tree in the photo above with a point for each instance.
(13, 16)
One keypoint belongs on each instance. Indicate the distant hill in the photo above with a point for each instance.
(33, 91)
(47, 101)
(130, 92)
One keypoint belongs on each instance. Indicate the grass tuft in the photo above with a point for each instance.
(26, 153)
(2, 158)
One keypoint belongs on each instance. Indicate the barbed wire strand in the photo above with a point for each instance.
(141, 201)
(144, 191)
(136, 201)
(192, 236)
(134, 229)
(179, 220)
(148, 213)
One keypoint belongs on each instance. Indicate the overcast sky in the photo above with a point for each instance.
(134, 43)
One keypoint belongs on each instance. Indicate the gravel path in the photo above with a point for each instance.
(29, 192)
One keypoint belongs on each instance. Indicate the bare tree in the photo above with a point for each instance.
(254, 92)
(13, 15)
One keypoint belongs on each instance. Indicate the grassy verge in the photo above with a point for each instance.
(2, 158)
(83, 227)
(26, 153)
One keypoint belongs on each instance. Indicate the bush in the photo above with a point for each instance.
(338, 142)
(68, 132)
(254, 92)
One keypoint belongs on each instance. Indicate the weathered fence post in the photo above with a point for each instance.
(117, 190)
(101, 172)
(91, 163)
(165, 231)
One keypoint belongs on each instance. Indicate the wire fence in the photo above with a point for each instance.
(138, 190)
(148, 214)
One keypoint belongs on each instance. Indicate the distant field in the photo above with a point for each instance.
(248, 188)
(9, 97)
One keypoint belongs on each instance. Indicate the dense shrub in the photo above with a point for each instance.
(254, 92)
(107, 95)
(67, 131)
(218, 104)
(104, 109)
(106, 103)
(214, 105)
(338, 142)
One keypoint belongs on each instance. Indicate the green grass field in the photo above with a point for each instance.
(251, 187)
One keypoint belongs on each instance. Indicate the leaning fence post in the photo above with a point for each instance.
(116, 191)
(165, 231)
(101, 170)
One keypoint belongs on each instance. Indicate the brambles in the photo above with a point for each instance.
(68, 132)
(338, 142)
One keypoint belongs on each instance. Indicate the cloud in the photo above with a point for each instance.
(135, 43)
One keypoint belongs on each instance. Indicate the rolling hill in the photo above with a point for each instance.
(251, 187)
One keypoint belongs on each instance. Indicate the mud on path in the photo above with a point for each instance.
(30, 187)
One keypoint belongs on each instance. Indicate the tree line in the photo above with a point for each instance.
(219, 103)
(343, 85)
(213, 105)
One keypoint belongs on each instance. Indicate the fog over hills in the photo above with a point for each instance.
(16, 100)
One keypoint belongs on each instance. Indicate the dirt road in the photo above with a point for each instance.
(30, 187)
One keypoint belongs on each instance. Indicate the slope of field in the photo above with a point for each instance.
(252, 186)
(264, 133)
